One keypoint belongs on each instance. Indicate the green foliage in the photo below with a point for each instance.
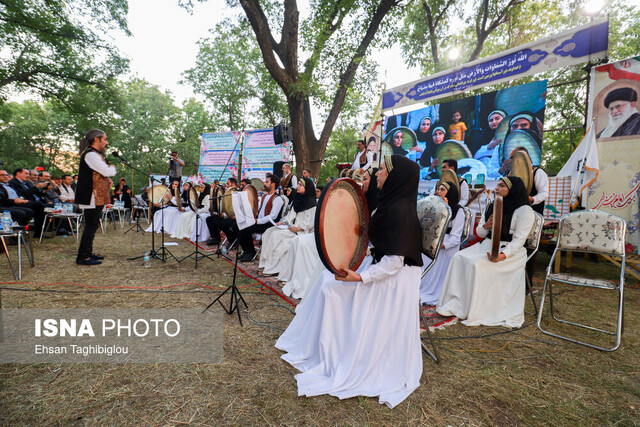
(340, 149)
(228, 73)
(50, 45)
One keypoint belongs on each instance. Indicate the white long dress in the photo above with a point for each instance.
(359, 339)
(186, 227)
(484, 292)
(431, 284)
(300, 272)
(166, 219)
(276, 241)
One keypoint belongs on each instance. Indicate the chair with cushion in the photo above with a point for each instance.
(589, 231)
(434, 215)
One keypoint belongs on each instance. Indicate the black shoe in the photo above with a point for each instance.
(98, 257)
(89, 261)
(246, 257)
(213, 241)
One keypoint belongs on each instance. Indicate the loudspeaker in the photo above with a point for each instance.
(277, 168)
(281, 134)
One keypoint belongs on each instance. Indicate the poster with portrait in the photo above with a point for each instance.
(478, 132)
(219, 154)
(615, 88)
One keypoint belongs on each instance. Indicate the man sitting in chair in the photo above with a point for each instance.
(270, 210)
(215, 223)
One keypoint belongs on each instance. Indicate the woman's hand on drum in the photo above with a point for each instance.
(348, 276)
(489, 224)
(501, 257)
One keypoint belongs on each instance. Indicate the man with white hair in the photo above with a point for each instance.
(624, 118)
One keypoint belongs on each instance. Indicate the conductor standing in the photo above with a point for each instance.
(175, 167)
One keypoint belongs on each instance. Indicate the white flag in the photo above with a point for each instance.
(582, 166)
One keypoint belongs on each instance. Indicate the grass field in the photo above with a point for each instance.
(488, 376)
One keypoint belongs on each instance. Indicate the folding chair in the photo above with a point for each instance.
(532, 244)
(596, 232)
(434, 215)
(469, 221)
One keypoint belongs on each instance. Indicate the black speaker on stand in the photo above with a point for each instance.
(277, 168)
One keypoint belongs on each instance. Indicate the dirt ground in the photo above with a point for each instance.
(487, 376)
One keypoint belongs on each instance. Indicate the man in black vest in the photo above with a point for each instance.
(92, 193)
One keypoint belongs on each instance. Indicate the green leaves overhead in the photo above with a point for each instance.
(50, 45)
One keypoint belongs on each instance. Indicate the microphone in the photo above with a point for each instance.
(118, 156)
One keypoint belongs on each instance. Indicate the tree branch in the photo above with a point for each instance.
(347, 76)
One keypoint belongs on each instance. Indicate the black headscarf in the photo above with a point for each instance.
(424, 136)
(453, 198)
(397, 150)
(302, 202)
(516, 197)
(394, 229)
(372, 192)
(430, 151)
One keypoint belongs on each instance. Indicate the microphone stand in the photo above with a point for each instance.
(153, 253)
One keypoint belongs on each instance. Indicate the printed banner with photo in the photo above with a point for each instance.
(219, 154)
(478, 132)
(615, 89)
(581, 44)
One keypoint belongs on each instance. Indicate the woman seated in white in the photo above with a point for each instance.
(166, 219)
(276, 241)
(487, 292)
(359, 334)
(300, 274)
(186, 227)
(431, 283)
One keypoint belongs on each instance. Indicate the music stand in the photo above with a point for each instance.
(196, 254)
(139, 204)
(243, 222)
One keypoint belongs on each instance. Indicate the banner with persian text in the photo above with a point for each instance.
(219, 154)
(615, 88)
(575, 46)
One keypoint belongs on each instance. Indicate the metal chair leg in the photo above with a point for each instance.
(433, 354)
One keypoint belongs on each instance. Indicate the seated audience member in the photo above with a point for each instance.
(300, 219)
(66, 192)
(29, 192)
(490, 292)
(270, 208)
(217, 222)
(10, 201)
(122, 192)
(431, 284)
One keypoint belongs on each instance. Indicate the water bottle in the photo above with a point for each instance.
(147, 260)
(57, 206)
(7, 222)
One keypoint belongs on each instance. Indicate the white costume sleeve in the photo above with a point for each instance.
(541, 183)
(388, 266)
(97, 163)
(521, 223)
(480, 231)
(369, 160)
(305, 220)
(356, 161)
(464, 193)
(276, 207)
(453, 238)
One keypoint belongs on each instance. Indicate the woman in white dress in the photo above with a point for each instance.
(276, 241)
(300, 274)
(359, 334)
(431, 283)
(167, 218)
(486, 292)
(186, 227)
